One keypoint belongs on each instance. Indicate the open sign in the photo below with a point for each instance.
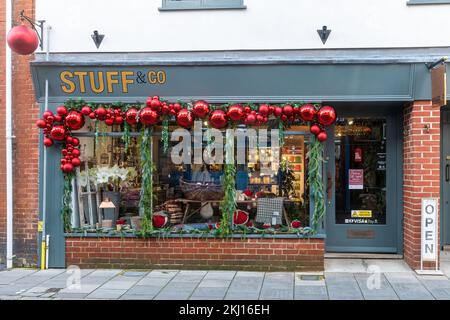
(429, 230)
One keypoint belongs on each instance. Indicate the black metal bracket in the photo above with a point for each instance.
(35, 24)
(98, 38)
(432, 65)
(324, 33)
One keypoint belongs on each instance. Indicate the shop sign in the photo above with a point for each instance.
(429, 229)
(439, 86)
(356, 179)
(361, 213)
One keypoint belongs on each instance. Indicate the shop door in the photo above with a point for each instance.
(445, 167)
(362, 178)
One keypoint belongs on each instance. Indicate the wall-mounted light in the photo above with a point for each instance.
(98, 38)
(324, 33)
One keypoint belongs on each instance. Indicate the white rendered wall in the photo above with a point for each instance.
(138, 25)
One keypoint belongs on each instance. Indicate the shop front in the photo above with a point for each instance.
(340, 192)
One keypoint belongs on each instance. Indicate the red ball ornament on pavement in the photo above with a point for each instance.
(22, 40)
(61, 110)
(41, 124)
(218, 119)
(264, 110)
(326, 115)
(48, 142)
(200, 109)
(185, 119)
(131, 116)
(235, 112)
(58, 133)
(74, 120)
(148, 117)
(315, 129)
(322, 136)
(307, 112)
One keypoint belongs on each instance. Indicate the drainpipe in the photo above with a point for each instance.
(9, 137)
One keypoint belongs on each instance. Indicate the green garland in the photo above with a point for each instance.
(66, 210)
(315, 156)
(165, 134)
(146, 197)
(126, 136)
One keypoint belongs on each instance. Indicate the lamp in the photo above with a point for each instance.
(107, 204)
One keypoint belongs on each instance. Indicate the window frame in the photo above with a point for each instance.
(427, 2)
(174, 5)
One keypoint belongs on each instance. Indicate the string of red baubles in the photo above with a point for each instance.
(59, 126)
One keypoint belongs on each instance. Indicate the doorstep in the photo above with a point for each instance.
(332, 255)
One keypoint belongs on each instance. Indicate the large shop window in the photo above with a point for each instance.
(271, 196)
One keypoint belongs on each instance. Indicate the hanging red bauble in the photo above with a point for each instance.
(250, 119)
(75, 142)
(326, 116)
(177, 107)
(109, 122)
(278, 111)
(41, 124)
(74, 120)
(284, 118)
(131, 116)
(57, 118)
(58, 133)
(67, 168)
(184, 118)
(48, 142)
(153, 103)
(118, 120)
(92, 115)
(159, 220)
(288, 110)
(22, 40)
(264, 110)
(218, 119)
(86, 110)
(307, 112)
(101, 113)
(200, 109)
(259, 119)
(322, 136)
(165, 109)
(76, 162)
(47, 114)
(247, 109)
(148, 116)
(61, 110)
(76, 152)
(315, 129)
(235, 112)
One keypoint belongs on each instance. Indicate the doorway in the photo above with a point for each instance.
(364, 175)
(445, 180)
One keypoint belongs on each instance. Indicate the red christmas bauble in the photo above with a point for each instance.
(76, 162)
(200, 109)
(315, 129)
(218, 119)
(22, 40)
(240, 217)
(177, 107)
(68, 167)
(165, 109)
(58, 133)
(322, 136)
(41, 124)
(148, 117)
(307, 112)
(75, 142)
(250, 119)
(264, 110)
(185, 119)
(48, 142)
(76, 152)
(118, 120)
(109, 122)
(61, 110)
(86, 110)
(101, 113)
(47, 114)
(74, 120)
(159, 220)
(57, 118)
(296, 224)
(278, 112)
(92, 115)
(326, 116)
(131, 116)
(288, 110)
(235, 112)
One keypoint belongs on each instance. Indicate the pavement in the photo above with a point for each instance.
(343, 279)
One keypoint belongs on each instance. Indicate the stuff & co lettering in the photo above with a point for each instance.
(108, 81)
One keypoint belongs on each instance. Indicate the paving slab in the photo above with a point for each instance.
(344, 265)
(136, 297)
(83, 289)
(438, 286)
(408, 287)
(106, 294)
(375, 287)
(220, 275)
(342, 286)
(150, 281)
(119, 284)
(310, 292)
(144, 290)
(173, 294)
(209, 293)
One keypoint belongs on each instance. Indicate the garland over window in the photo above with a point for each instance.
(58, 128)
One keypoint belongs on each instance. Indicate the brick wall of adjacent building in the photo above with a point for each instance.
(25, 151)
(196, 253)
(421, 169)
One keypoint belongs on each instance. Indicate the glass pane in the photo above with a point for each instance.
(360, 171)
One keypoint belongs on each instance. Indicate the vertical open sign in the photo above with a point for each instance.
(429, 229)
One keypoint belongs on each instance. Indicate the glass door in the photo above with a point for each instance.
(363, 168)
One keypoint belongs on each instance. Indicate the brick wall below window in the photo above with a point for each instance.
(197, 253)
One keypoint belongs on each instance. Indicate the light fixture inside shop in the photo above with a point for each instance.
(107, 204)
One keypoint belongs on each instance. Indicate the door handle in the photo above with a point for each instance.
(447, 173)
(329, 187)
